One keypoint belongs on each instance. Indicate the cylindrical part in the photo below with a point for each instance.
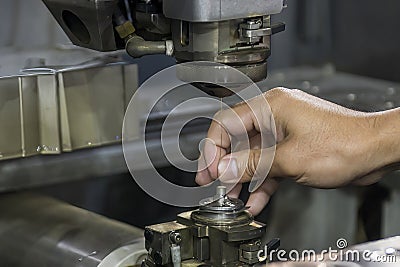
(38, 231)
(138, 47)
(221, 192)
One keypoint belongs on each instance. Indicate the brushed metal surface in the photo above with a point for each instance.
(60, 109)
(39, 231)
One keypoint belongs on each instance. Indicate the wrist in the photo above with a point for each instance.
(386, 128)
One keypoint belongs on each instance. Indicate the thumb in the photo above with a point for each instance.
(245, 165)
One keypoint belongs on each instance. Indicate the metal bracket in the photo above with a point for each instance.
(252, 30)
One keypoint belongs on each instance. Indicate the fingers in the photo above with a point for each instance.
(213, 152)
(225, 124)
(202, 176)
(246, 165)
(260, 198)
(235, 192)
(242, 122)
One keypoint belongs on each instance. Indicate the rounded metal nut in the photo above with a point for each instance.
(175, 238)
(125, 29)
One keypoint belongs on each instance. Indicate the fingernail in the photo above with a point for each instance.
(228, 170)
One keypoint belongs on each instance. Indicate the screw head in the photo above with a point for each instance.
(175, 238)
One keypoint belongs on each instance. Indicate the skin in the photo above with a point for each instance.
(319, 144)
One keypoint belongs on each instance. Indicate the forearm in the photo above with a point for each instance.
(387, 128)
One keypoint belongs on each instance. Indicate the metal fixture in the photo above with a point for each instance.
(220, 233)
(86, 23)
(50, 110)
(236, 33)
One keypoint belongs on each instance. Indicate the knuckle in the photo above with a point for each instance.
(226, 118)
(252, 163)
(277, 95)
(282, 93)
(198, 180)
(277, 92)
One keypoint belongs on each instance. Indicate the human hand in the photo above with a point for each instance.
(318, 144)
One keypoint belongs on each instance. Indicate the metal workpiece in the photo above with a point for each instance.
(219, 10)
(87, 23)
(39, 231)
(219, 233)
(60, 109)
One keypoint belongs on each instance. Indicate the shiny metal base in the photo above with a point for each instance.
(37, 231)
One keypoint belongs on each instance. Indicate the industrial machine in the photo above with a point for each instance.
(236, 33)
(40, 231)
(221, 232)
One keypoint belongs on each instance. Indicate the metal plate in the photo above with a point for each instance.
(63, 109)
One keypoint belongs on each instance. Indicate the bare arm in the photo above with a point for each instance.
(319, 144)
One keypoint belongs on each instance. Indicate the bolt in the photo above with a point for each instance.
(175, 238)
(221, 192)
